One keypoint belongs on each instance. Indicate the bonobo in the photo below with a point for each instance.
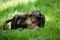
(32, 21)
(18, 21)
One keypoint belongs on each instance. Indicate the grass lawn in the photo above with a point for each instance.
(51, 10)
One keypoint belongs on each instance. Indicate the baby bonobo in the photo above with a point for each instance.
(34, 20)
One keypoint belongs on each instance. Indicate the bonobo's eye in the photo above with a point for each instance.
(33, 16)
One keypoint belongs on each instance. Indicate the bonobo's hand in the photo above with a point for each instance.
(36, 27)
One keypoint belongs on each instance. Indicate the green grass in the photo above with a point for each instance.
(51, 10)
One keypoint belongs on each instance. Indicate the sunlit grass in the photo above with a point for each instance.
(14, 3)
(49, 18)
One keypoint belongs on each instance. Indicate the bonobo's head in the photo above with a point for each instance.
(39, 17)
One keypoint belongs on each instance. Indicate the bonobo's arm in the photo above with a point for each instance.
(5, 23)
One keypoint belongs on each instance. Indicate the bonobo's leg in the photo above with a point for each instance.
(14, 21)
(5, 23)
